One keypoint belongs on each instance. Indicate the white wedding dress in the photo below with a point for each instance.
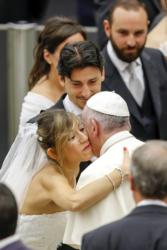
(42, 232)
(24, 159)
(32, 105)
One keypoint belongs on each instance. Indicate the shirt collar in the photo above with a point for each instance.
(120, 136)
(71, 107)
(119, 64)
(8, 240)
(147, 202)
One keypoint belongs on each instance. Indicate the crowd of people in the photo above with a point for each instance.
(87, 169)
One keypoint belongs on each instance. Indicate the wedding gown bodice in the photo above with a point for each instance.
(42, 232)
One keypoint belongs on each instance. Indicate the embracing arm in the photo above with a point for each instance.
(62, 194)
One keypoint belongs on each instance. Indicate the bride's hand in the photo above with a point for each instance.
(123, 170)
(125, 163)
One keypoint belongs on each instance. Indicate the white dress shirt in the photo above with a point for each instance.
(122, 66)
(148, 202)
(71, 107)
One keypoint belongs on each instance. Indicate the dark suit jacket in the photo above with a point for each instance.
(145, 228)
(17, 245)
(155, 73)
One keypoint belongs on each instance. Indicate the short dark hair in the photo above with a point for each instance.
(148, 169)
(8, 212)
(127, 5)
(79, 55)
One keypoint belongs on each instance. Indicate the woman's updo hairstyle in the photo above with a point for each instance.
(54, 128)
(56, 30)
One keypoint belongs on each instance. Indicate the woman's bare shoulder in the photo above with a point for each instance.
(50, 175)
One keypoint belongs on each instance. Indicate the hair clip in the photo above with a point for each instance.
(40, 138)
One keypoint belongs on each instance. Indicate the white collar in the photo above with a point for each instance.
(120, 136)
(71, 107)
(147, 202)
(9, 240)
(119, 64)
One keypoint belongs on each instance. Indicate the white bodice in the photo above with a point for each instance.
(42, 232)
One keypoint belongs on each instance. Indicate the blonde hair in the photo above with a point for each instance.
(54, 128)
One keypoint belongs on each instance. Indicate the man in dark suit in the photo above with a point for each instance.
(81, 70)
(153, 8)
(126, 29)
(8, 221)
(146, 226)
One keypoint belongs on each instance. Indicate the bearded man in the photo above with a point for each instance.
(136, 73)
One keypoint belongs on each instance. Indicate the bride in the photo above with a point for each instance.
(45, 87)
(44, 183)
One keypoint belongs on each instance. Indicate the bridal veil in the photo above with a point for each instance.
(24, 159)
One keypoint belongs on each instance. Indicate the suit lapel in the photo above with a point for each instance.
(59, 103)
(153, 81)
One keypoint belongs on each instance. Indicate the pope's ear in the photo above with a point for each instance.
(52, 154)
(132, 183)
(94, 127)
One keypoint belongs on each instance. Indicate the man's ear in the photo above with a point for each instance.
(106, 26)
(52, 154)
(132, 183)
(61, 80)
(47, 56)
(94, 128)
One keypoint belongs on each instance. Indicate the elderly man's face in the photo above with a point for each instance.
(127, 32)
(91, 129)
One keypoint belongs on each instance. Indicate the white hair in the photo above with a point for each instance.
(109, 123)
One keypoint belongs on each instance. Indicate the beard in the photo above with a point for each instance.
(125, 54)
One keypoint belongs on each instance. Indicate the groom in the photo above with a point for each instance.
(81, 71)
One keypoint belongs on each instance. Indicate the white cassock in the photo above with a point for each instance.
(117, 204)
